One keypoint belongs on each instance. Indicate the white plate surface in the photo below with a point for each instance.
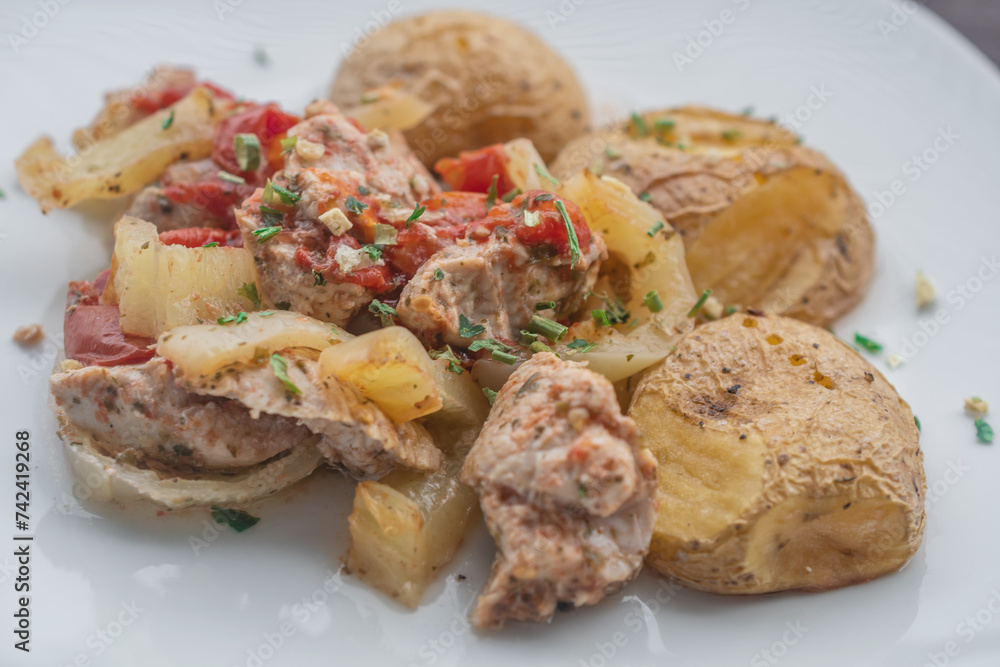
(115, 587)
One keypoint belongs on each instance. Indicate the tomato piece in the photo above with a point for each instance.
(269, 123)
(196, 237)
(473, 171)
(153, 100)
(416, 244)
(550, 232)
(454, 208)
(211, 194)
(376, 278)
(92, 331)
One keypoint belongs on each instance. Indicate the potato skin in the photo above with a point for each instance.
(727, 158)
(489, 80)
(787, 461)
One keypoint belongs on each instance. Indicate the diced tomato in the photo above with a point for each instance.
(323, 261)
(196, 237)
(473, 171)
(269, 123)
(416, 244)
(155, 99)
(550, 232)
(454, 208)
(92, 331)
(212, 194)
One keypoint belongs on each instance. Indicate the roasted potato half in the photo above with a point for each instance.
(786, 461)
(486, 80)
(766, 223)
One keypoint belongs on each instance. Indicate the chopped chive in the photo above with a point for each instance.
(247, 147)
(385, 312)
(601, 317)
(417, 212)
(532, 219)
(539, 346)
(657, 227)
(250, 293)
(232, 178)
(545, 305)
(491, 193)
(508, 196)
(527, 338)
(546, 327)
(504, 357)
(438, 274)
(574, 243)
(639, 123)
(984, 432)
(653, 301)
(288, 144)
(355, 206)
(867, 343)
(467, 329)
(265, 233)
(730, 309)
(489, 394)
(168, 121)
(696, 308)
(280, 367)
(286, 196)
(210, 244)
(646, 197)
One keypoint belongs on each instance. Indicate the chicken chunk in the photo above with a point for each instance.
(520, 255)
(353, 433)
(566, 490)
(141, 408)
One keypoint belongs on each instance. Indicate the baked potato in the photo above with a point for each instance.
(786, 461)
(488, 81)
(766, 223)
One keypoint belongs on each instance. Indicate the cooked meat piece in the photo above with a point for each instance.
(354, 434)
(152, 205)
(518, 256)
(29, 334)
(566, 491)
(328, 140)
(143, 409)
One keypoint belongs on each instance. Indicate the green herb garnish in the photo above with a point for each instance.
(250, 293)
(546, 327)
(288, 144)
(271, 216)
(582, 346)
(984, 432)
(546, 175)
(238, 520)
(247, 147)
(545, 305)
(265, 233)
(491, 193)
(656, 228)
(238, 318)
(374, 252)
(508, 196)
(438, 274)
(448, 355)
(731, 135)
(232, 178)
(653, 301)
(355, 206)
(646, 197)
(319, 280)
(639, 123)
(916, 420)
(574, 243)
(280, 367)
(601, 317)
(489, 344)
(168, 121)
(467, 329)
(867, 343)
(504, 357)
(489, 394)
(417, 212)
(664, 124)
(384, 312)
(696, 308)
(210, 244)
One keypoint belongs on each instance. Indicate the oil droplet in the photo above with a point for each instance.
(823, 380)
(750, 323)
(774, 339)
(797, 359)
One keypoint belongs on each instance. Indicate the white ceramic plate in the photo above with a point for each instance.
(116, 587)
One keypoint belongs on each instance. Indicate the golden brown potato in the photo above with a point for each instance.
(488, 81)
(786, 461)
(766, 223)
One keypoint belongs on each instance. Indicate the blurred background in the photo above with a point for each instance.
(979, 20)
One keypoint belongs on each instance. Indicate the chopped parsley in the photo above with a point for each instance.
(247, 147)
(286, 196)
(385, 312)
(363, 191)
(489, 344)
(867, 343)
(250, 293)
(601, 317)
(696, 308)
(467, 329)
(438, 274)
(491, 193)
(581, 346)
(318, 279)
(374, 252)
(238, 520)
(984, 432)
(265, 233)
(490, 395)
(355, 206)
(168, 121)
(271, 216)
(916, 420)
(574, 243)
(280, 367)
(646, 197)
(238, 318)
(417, 212)
(639, 123)
(448, 355)
(210, 244)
